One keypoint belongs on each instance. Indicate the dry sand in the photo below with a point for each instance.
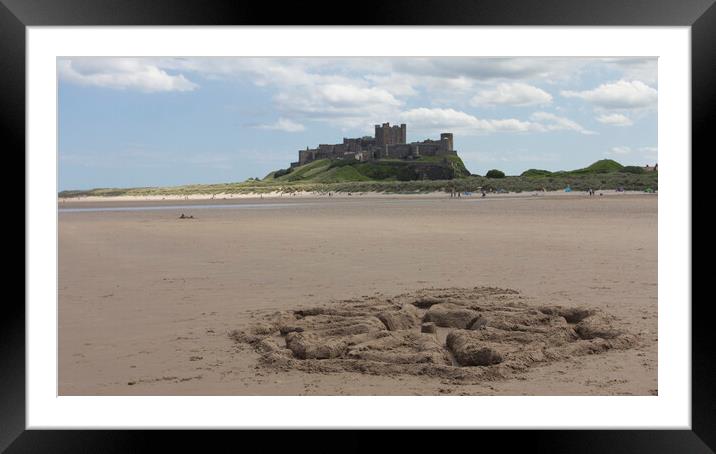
(150, 304)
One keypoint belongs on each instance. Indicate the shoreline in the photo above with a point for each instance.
(284, 196)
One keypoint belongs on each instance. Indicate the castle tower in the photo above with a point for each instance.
(379, 135)
(447, 136)
(390, 135)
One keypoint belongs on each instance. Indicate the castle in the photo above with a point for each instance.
(389, 143)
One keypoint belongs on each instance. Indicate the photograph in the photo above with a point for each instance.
(463, 216)
(357, 225)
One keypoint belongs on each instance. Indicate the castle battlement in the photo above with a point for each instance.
(389, 142)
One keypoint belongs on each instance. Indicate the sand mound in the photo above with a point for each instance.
(405, 318)
(450, 315)
(470, 350)
(460, 334)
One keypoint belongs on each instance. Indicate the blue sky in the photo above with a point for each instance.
(126, 122)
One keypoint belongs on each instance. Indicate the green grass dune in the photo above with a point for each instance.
(343, 171)
(428, 174)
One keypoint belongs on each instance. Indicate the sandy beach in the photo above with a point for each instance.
(148, 301)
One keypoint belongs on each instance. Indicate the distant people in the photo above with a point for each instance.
(459, 194)
(483, 193)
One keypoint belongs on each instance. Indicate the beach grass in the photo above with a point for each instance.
(334, 180)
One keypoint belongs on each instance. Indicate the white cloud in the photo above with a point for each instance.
(451, 120)
(355, 93)
(622, 94)
(615, 119)
(485, 68)
(552, 122)
(396, 84)
(646, 153)
(347, 95)
(122, 74)
(426, 119)
(334, 91)
(620, 150)
(283, 124)
(341, 104)
(513, 94)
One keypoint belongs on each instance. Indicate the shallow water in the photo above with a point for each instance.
(182, 207)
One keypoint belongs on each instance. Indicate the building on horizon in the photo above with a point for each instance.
(389, 142)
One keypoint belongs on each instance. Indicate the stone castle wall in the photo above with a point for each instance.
(389, 143)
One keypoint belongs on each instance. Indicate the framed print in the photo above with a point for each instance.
(435, 217)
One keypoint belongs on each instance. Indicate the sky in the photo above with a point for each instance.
(136, 122)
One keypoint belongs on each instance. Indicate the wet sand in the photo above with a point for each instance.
(147, 300)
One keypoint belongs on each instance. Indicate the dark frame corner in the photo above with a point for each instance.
(16, 15)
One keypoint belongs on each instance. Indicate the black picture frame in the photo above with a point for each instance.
(16, 15)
